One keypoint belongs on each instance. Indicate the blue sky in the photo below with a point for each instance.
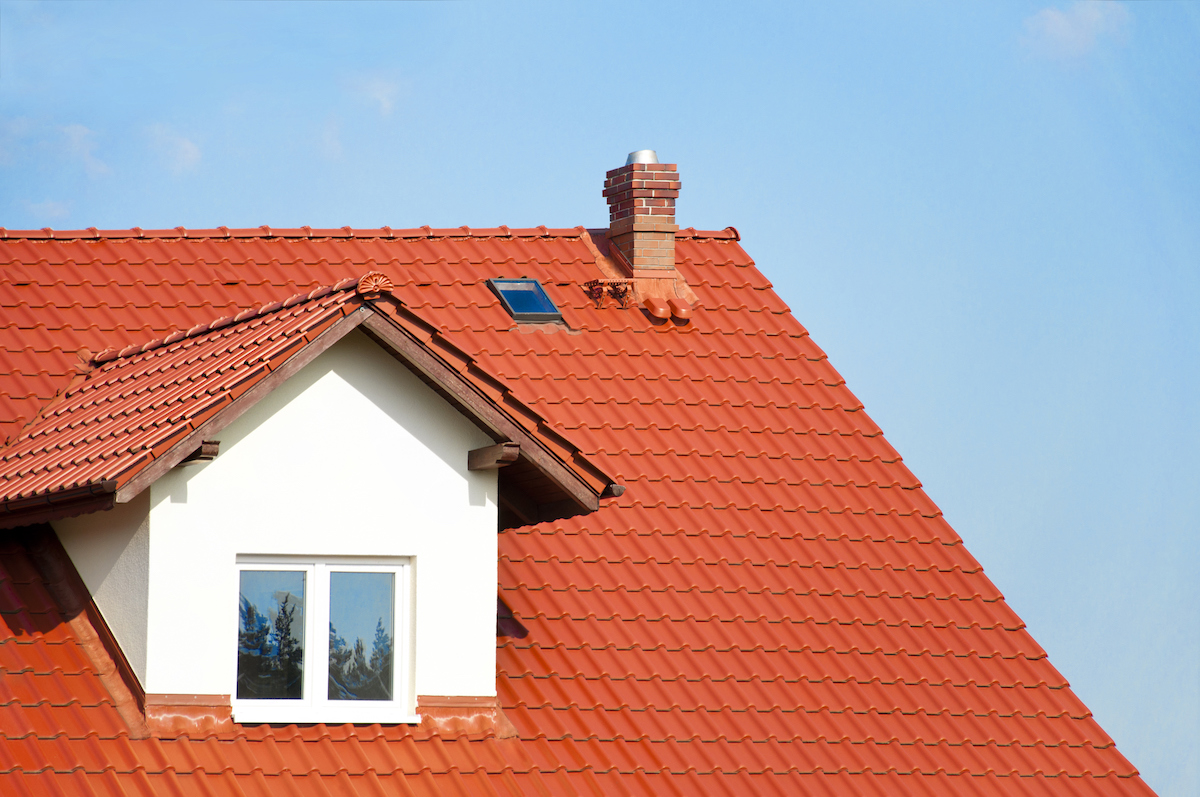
(266, 590)
(357, 602)
(987, 214)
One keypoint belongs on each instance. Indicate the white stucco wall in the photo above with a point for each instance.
(353, 456)
(111, 551)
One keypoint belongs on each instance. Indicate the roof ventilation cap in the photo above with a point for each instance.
(657, 307)
(642, 156)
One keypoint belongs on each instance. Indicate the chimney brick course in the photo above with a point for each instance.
(641, 212)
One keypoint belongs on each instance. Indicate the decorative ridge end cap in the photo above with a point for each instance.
(727, 234)
(374, 283)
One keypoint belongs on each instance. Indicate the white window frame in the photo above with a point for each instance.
(315, 705)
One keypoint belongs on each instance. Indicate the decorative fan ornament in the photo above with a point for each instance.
(374, 283)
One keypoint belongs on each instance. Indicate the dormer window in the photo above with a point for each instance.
(525, 300)
(275, 582)
(322, 640)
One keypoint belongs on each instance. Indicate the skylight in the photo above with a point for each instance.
(525, 299)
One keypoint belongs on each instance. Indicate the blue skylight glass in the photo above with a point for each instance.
(525, 300)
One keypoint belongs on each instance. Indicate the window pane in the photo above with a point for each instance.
(525, 300)
(360, 635)
(528, 299)
(271, 635)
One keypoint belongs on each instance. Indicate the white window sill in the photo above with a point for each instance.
(266, 716)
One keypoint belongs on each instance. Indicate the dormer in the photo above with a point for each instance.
(290, 516)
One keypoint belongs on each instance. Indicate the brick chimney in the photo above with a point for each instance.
(641, 211)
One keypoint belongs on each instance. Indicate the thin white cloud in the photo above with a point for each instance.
(331, 140)
(81, 144)
(180, 153)
(1077, 30)
(48, 210)
(13, 133)
(378, 90)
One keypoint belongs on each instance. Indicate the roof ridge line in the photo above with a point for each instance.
(110, 354)
(347, 232)
(304, 231)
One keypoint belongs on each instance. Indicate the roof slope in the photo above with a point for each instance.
(134, 405)
(134, 413)
(773, 606)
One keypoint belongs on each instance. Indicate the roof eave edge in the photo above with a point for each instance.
(71, 502)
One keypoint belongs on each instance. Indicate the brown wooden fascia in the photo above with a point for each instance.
(485, 409)
(492, 457)
(496, 392)
(227, 415)
(81, 500)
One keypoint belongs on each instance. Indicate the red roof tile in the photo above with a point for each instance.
(773, 607)
(111, 423)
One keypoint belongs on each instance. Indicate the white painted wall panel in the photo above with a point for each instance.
(111, 552)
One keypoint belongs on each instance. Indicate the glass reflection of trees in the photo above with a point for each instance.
(354, 676)
(355, 597)
(271, 642)
(271, 653)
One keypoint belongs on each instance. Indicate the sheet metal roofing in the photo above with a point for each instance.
(774, 606)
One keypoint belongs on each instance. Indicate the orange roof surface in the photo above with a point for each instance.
(773, 606)
(128, 409)
(110, 422)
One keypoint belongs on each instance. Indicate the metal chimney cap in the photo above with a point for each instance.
(642, 156)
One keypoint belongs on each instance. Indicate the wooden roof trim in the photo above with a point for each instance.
(469, 397)
(496, 392)
(81, 500)
(209, 429)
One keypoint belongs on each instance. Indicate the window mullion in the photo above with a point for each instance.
(319, 669)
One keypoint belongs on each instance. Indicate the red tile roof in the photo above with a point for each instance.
(116, 424)
(773, 607)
